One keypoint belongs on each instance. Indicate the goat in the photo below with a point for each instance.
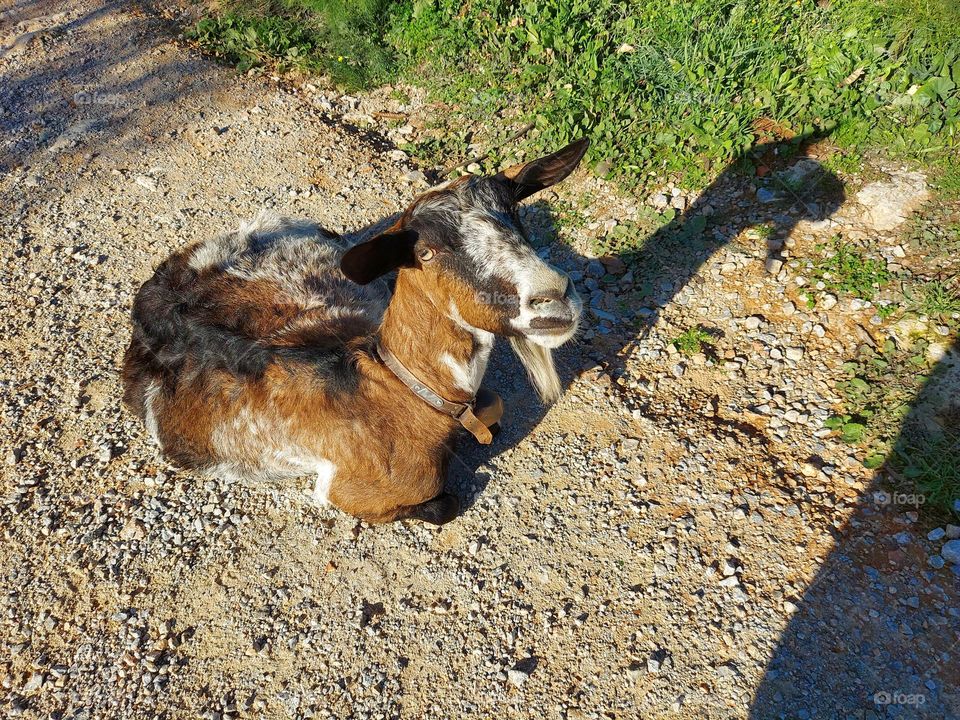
(279, 350)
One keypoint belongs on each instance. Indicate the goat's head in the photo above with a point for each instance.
(464, 248)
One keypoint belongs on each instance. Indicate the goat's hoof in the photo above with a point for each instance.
(438, 511)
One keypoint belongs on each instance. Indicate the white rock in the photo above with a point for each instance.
(887, 204)
(517, 677)
(147, 182)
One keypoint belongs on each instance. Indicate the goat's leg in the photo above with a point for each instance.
(437, 511)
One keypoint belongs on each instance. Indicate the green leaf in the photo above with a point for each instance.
(852, 432)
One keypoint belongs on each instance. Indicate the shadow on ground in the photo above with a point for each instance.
(847, 652)
(848, 624)
(661, 264)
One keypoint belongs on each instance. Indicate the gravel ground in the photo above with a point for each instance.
(677, 537)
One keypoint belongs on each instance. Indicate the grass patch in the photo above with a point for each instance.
(693, 340)
(339, 38)
(661, 87)
(671, 87)
(937, 300)
(847, 270)
(892, 404)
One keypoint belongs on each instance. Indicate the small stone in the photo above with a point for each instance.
(33, 683)
(517, 677)
(752, 322)
(952, 532)
(766, 196)
(147, 182)
(773, 265)
(935, 561)
(794, 353)
(659, 200)
(828, 301)
(730, 581)
(951, 552)
(936, 534)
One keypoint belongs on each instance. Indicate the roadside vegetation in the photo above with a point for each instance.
(662, 86)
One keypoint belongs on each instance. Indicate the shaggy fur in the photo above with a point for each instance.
(252, 353)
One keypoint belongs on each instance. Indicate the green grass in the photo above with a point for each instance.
(660, 86)
(928, 464)
(938, 300)
(693, 340)
(947, 181)
(890, 401)
(340, 38)
(845, 269)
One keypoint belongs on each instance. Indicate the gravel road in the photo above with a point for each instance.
(677, 537)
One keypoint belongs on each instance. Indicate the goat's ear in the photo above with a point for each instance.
(528, 178)
(388, 251)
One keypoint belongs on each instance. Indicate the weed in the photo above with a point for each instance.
(886, 411)
(847, 270)
(764, 231)
(344, 39)
(939, 301)
(887, 310)
(844, 164)
(666, 86)
(693, 340)
(948, 180)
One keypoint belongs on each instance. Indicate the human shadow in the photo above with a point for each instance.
(877, 631)
(625, 291)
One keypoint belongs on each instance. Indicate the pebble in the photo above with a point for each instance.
(951, 551)
(936, 534)
(147, 182)
(517, 677)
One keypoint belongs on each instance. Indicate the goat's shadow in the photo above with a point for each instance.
(624, 292)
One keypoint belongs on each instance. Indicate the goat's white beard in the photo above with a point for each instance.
(538, 362)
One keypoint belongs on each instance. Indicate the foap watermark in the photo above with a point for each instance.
(897, 697)
(95, 97)
(498, 299)
(882, 498)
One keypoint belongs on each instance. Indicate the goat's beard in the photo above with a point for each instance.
(538, 362)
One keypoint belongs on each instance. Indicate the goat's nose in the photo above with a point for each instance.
(552, 301)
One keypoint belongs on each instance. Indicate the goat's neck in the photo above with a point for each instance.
(435, 345)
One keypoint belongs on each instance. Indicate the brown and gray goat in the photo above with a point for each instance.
(278, 350)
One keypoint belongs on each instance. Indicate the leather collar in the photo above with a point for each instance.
(461, 412)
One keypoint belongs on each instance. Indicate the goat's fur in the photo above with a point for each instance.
(252, 354)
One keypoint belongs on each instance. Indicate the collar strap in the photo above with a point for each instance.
(461, 412)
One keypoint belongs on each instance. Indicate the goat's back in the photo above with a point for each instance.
(215, 317)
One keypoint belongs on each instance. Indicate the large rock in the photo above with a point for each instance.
(887, 204)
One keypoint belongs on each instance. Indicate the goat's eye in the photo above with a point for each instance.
(426, 254)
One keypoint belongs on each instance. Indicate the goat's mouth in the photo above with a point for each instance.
(551, 331)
